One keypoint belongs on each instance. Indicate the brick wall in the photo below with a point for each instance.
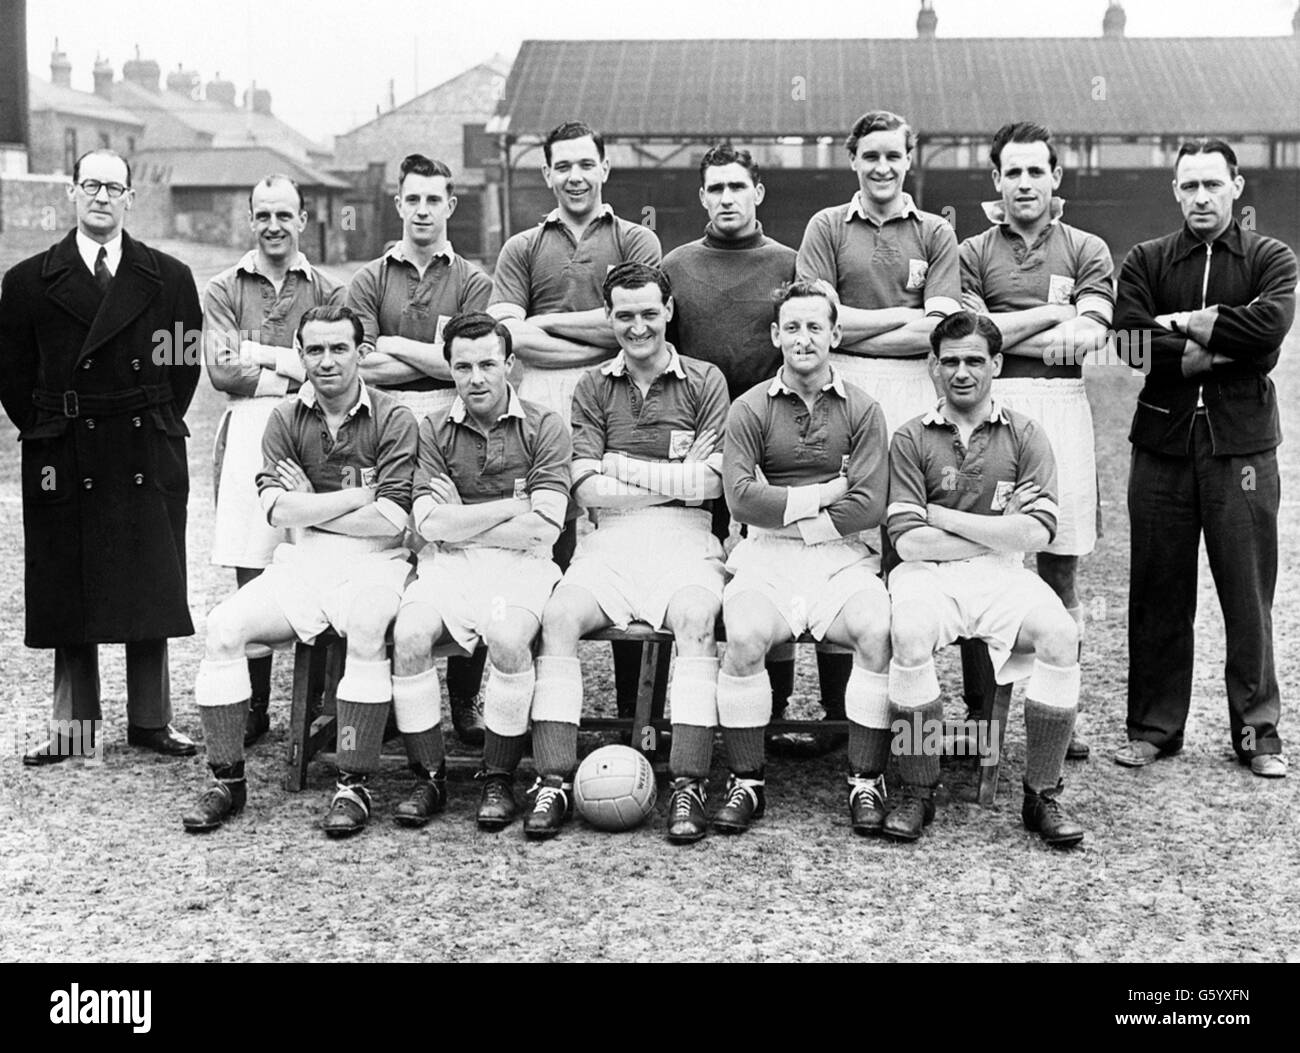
(432, 124)
(40, 203)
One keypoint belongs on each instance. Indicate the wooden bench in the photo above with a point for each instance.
(312, 732)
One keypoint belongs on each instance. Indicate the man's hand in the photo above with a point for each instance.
(1196, 360)
(293, 478)
(831, 491)
(702, 447)
(1022, 499)
(974, 302)
(443, 491)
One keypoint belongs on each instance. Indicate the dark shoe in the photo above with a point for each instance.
(222, 801)
(866, 803)
(552, 806)
(258, 721)
(1042, 815)
(349, 810)
(1078, 749)
(497, 807)
(53, 751)
(687, 820)
(746, 801)
(916, 811)
(1137, 753)
(467, 719)
(165, 740)
(427, 799)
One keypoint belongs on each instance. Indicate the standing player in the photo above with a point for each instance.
(893, 266)
(250, 316)
(547, 289)
(722, 313)
(338, 463)
(1048, 288)
(972, 488)
(645, 430)
(491, 489)
(806, 467)
(1220, 299)
(404, 299)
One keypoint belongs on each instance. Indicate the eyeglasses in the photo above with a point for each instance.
(92, 187)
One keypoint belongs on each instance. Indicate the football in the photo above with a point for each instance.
(614, 788)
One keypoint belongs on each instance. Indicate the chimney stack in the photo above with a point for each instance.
(258, 100)
(222, 91)
(144, 73)
(60, 67)
(183, 82)
(926, 20)
(1112, 25)
(103, 78)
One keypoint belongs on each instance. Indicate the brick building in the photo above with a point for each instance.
(447, 123)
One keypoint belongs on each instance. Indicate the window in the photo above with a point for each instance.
(105, 141)
(69, 149)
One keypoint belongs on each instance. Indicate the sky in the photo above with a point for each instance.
(328, 63)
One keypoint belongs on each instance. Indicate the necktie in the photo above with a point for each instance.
(102, 274)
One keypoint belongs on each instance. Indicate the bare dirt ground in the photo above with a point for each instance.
(1192, 859)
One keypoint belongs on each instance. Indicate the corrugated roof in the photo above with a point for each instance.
(46, 96)
(230, 167)
(752, 88)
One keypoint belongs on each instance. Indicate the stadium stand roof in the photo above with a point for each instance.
(689, 89)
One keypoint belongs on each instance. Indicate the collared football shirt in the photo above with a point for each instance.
(375, 446)
(908, 261)
(545, 271)
(241, 304)
(392, 298)
(611, 415)
(527, 449)
(929, 464)
(771, 428)
(1064, 265)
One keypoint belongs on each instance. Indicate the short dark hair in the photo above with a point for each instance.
(1020, 132)
(797, 290)
(332, 313)
(878, 121)
(277, 177)
(635, 276)
(470, 326)
(726, 154)
(1204, 145)
(573, 130)
(962, 324)
(418, 164)
(102, 151)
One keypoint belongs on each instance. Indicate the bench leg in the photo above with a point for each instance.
(651, 689)
(300, 718)
(989, 765)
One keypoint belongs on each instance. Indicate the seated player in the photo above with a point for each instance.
(645, 430)
(972, 489)
(338, 462)
(491, 489)
(806, 467)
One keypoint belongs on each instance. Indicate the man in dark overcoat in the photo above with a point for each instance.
(97, 369)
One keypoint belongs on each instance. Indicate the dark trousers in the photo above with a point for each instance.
(1234, 501)
(148, 685)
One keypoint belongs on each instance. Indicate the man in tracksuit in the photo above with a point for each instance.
(1218, 300)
